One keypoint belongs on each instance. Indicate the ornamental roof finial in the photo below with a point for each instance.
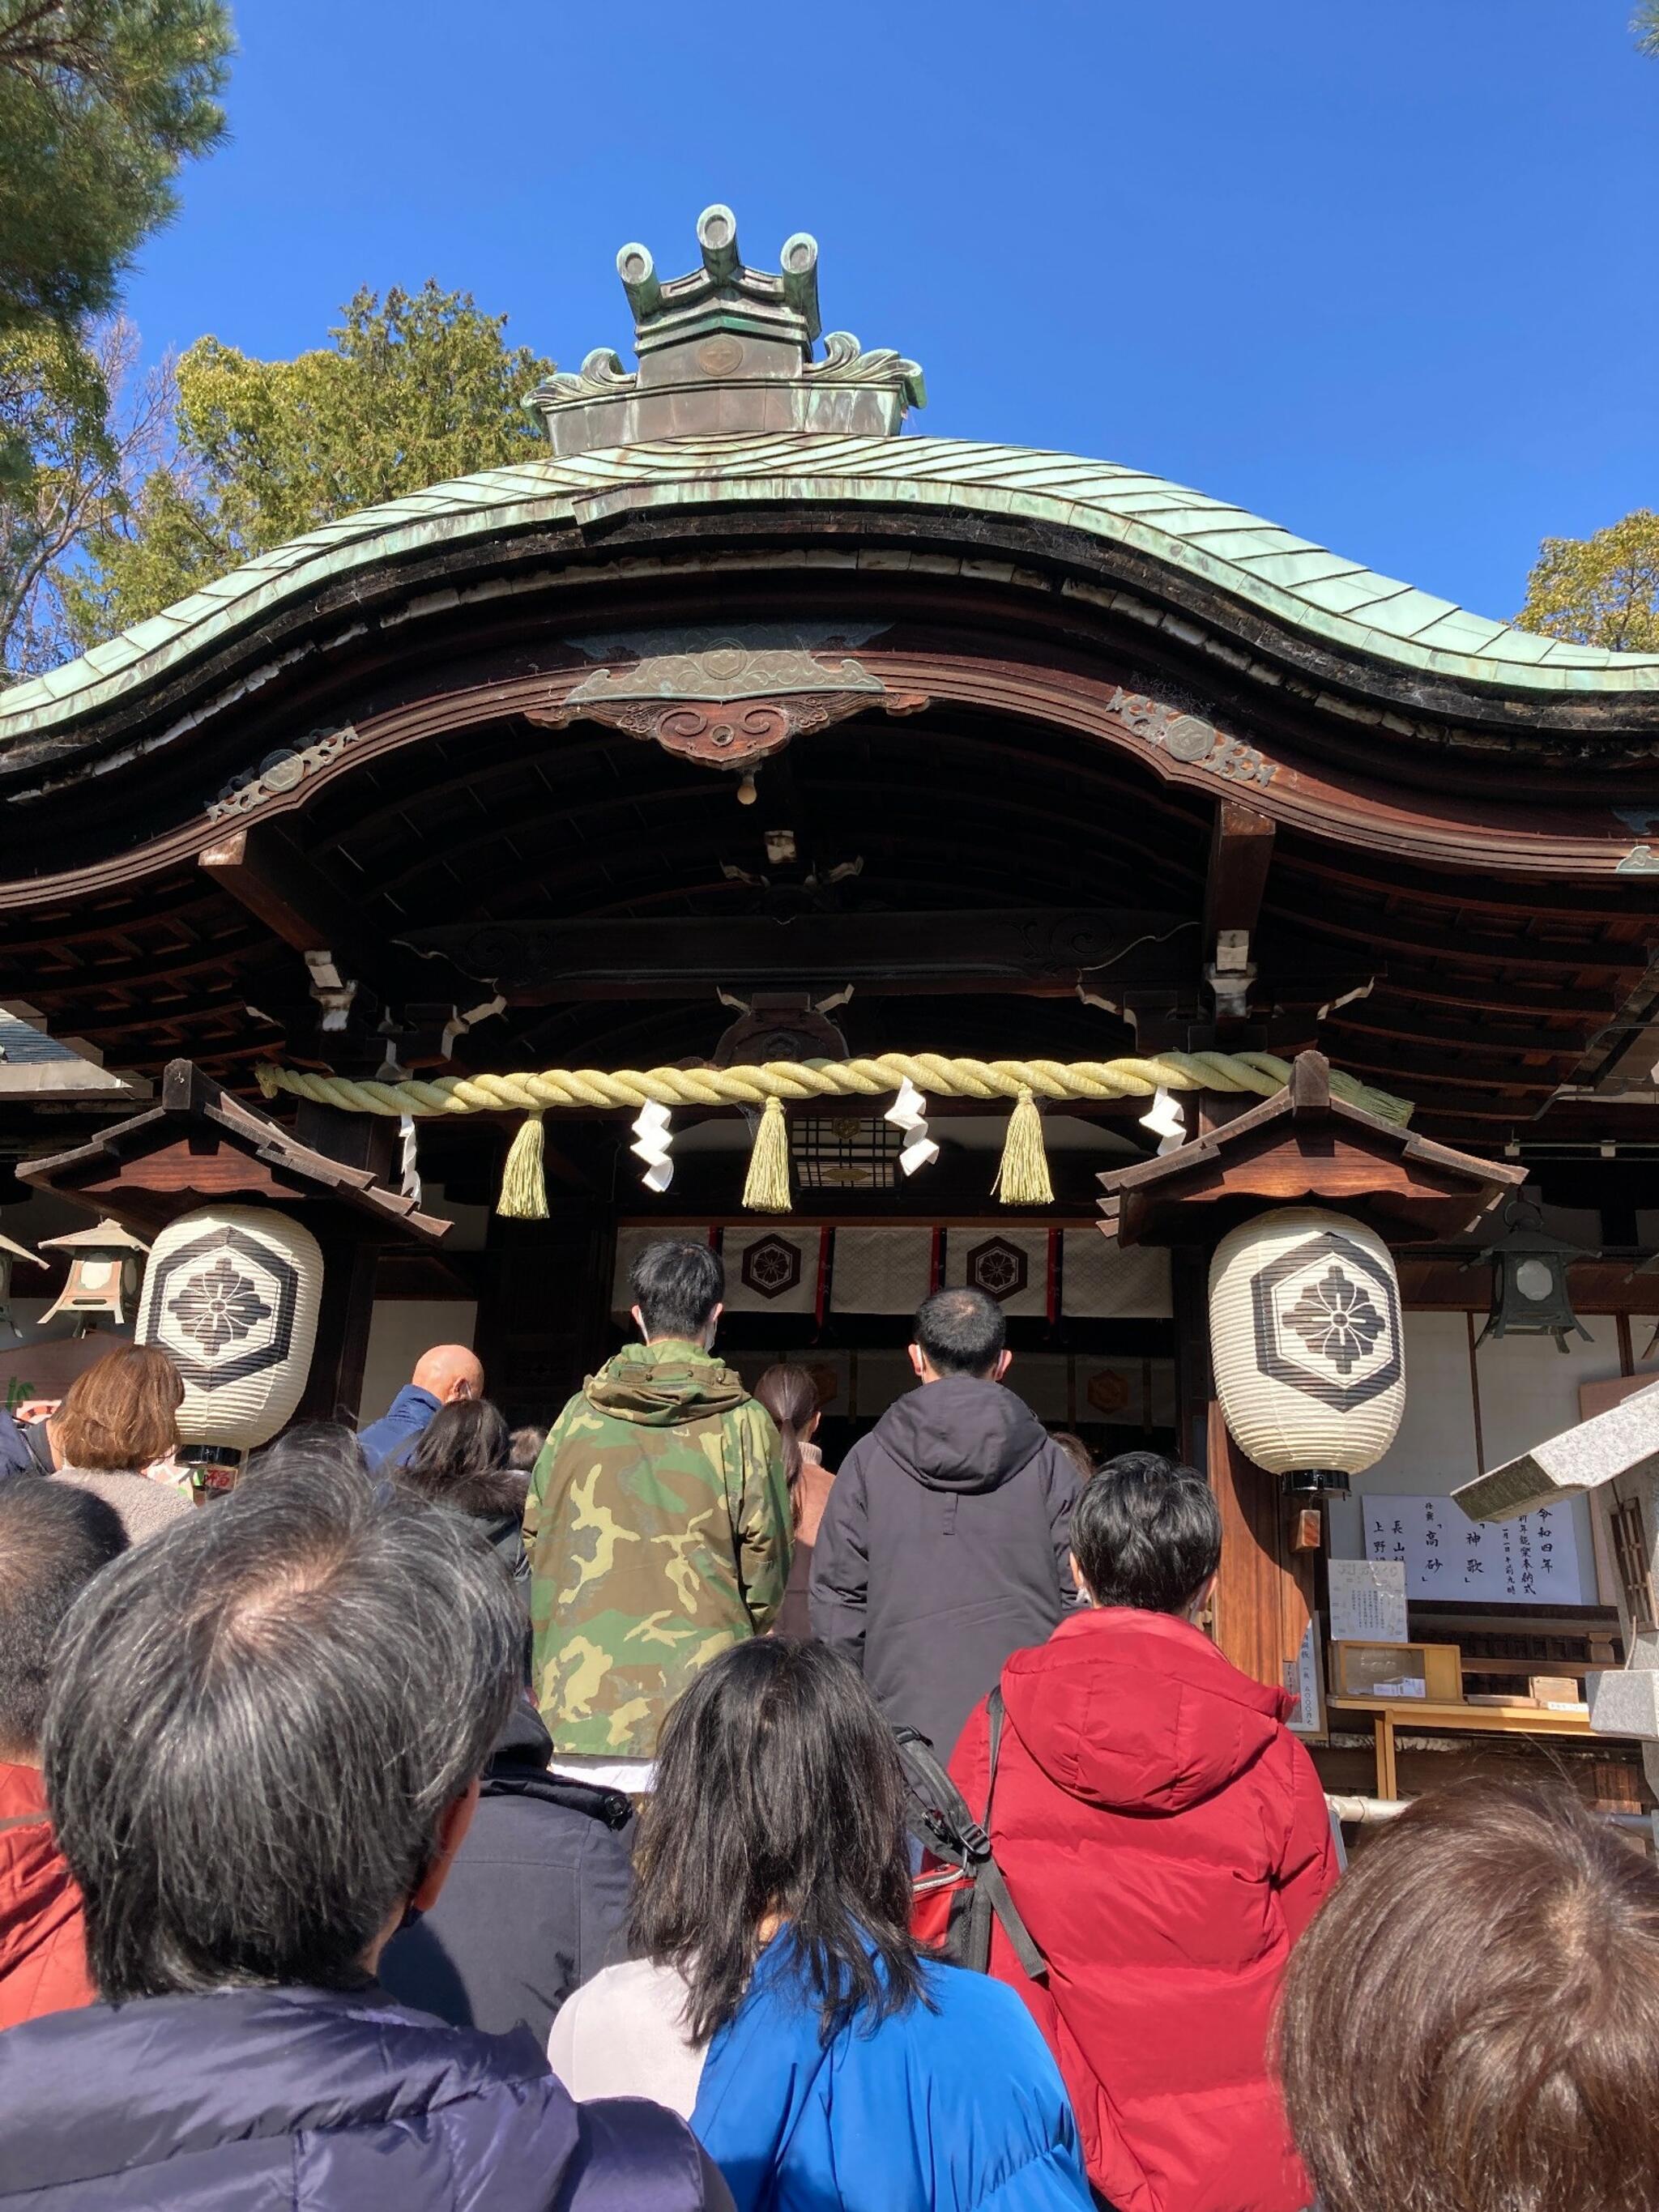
(725, 349)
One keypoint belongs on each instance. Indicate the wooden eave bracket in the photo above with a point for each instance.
(1303, 1147)
(192, 1104)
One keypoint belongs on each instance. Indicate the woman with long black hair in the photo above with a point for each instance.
(791, 1397)
(461, 1460)
(777, 1996)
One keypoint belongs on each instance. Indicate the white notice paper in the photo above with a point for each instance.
(1531, 1560)
(1368, 1601)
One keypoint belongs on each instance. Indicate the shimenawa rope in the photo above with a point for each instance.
(1023, 1179)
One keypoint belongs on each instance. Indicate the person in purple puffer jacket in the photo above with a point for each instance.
(262, 1747)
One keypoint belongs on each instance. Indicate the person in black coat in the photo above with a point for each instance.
(946, 1545)
(536, 1900)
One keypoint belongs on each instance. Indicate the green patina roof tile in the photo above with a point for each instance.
(1512, 644)
(1346, 595)
(1293, 570)
(1237, 542)
(1408, 613)
(1460, 632)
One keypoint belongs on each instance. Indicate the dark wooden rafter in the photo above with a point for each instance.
(447, 804)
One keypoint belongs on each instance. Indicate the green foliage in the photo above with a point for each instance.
(90, 427)
(101, 100)
(414, 389)
(1645, 24)
(1601, 589)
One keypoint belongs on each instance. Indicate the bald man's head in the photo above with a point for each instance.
(449, 1371)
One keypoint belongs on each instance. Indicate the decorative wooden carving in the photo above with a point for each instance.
(279, 773)
(713, 735)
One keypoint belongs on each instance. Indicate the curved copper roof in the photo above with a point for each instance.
(1300, 587)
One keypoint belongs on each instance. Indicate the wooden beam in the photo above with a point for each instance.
(1042, 952)
(1241, 852)
(264, 870)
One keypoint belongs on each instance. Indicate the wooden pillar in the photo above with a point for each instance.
(334, 1387)
(1264, 1599)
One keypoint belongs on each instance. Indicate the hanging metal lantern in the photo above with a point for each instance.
(845, 1151)
(232, 1296)
(1306, 1345)
(105, 1264)
(1529, 1293)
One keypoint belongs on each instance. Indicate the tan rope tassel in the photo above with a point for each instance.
(1023, 1178)
(767, 1189)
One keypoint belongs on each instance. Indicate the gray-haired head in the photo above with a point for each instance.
(326, 1449)
(257, 1723)
(54, 1538)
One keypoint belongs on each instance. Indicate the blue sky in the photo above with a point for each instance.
(1383, 273)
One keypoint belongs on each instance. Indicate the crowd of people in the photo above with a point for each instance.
(458, 1817)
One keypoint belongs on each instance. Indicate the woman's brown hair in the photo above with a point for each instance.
(122, 1412)
(1472, 2023)
(791, 1397)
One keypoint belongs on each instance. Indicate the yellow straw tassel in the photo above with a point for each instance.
(1023, 1178)
(524, 1187)
(767, 1190)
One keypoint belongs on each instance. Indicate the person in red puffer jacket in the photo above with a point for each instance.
(53, 1539)
(1166, 1841)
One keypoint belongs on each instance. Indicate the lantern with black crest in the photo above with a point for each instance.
(1306, 1344)
(231, 1296)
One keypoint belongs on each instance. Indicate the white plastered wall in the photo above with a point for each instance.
(1527, 1391)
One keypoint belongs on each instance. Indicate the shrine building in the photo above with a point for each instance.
(905, 861)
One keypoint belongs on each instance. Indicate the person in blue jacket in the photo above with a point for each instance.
(776, 1994)
(443, 1376)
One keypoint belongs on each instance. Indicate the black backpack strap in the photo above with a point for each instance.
(990, 1890)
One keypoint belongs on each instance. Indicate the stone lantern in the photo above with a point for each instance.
(106, 1264)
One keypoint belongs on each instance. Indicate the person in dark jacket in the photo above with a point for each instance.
(443, 1376)
(262, 1747)
(53, 1539)
(25, 1446)
(460, 1460)
(1165, 1840)
(536, 1901)
(946, 1544)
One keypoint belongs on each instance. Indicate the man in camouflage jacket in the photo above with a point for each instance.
(658, 1524)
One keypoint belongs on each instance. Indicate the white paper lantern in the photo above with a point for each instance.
(1306, 1345)
(231, 1296)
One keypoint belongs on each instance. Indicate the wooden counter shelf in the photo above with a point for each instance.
(1416, 1717)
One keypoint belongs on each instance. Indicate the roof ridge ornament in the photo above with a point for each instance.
(726, 351)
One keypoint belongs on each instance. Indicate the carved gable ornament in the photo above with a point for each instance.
(726, 698)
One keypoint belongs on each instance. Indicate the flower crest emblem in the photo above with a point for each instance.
(218, 1306)
(1335, 1318)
